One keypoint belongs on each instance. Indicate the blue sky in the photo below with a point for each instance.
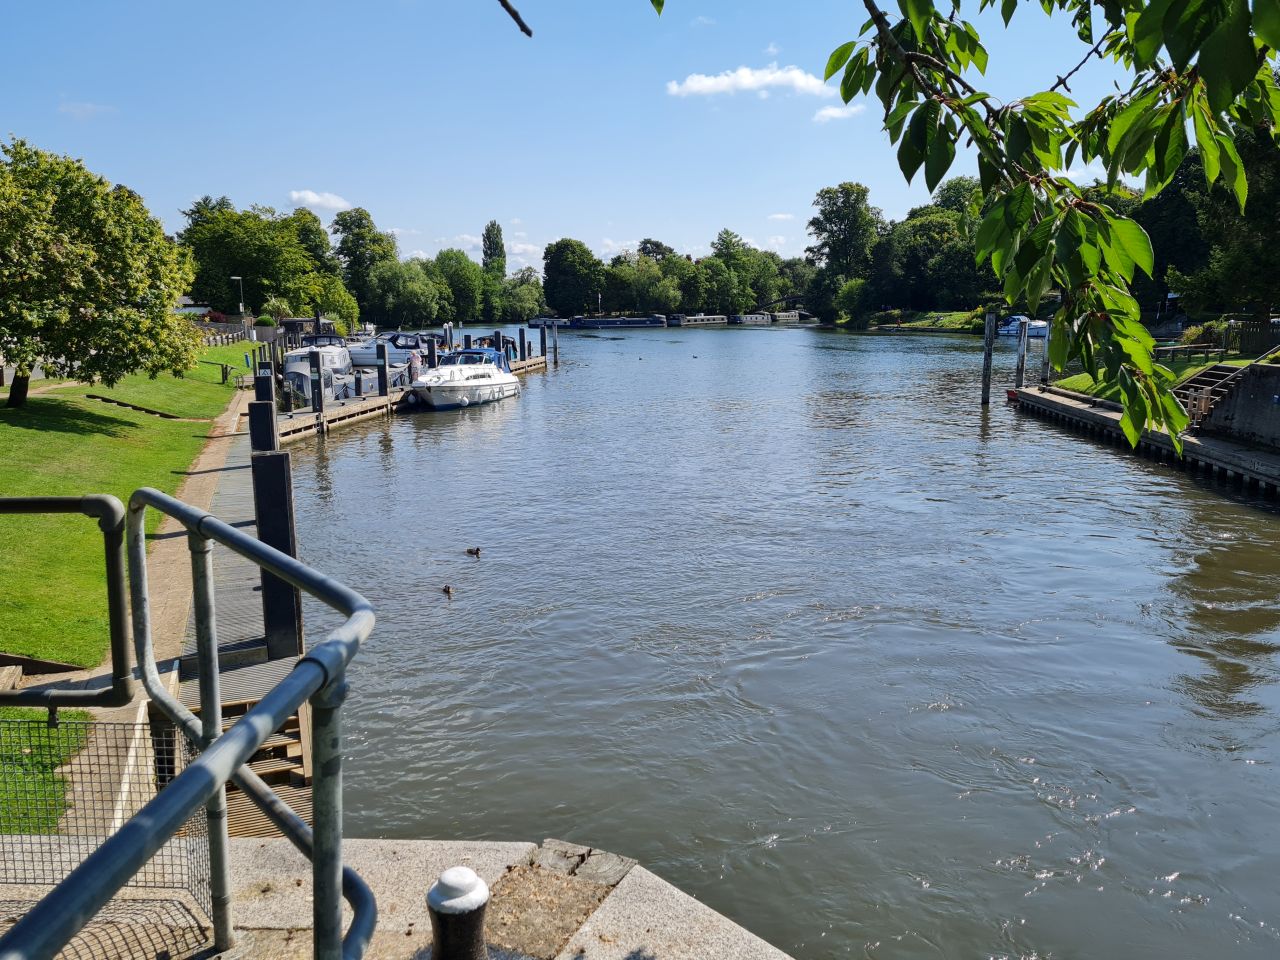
(610, 125)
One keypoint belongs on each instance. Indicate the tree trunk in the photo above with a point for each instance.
(18, 391)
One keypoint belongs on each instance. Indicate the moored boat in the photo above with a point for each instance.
(1036, 329)
(616, 323)
(466, 378)
(697, 320)
(750, 319)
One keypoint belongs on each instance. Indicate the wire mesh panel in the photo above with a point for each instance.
(66, 788)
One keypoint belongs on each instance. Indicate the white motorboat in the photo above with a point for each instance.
(1036, 329)
(466, 378)
(401, 348)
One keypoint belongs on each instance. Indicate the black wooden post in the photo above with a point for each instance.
(273, 512)
(263, 432)
(524, 345)
(384, 376)
(466, 341)
(317, 383)
(988, 346)
(542, 340)
(456, 904)
(359, 383)
(433, 357)
(264, 384)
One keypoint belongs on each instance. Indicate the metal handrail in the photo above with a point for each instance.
(319, 677)
(109, 513)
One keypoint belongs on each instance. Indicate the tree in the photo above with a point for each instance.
(88, 280)
(206, 207)
(276, 307)
(844, 230)
(851, 301)
(655, 249)
(689, 280)
(314, 239)
(1243, 265)
(522, 296)
(721, 286)
(361, 246)
(407, 296)
(494, 255)
(1203, 65)
(957, 194)
(465, 279)
(572, 276)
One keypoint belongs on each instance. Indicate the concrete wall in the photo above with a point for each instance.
(1252, 412)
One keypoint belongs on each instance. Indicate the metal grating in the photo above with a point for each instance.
(66, 788)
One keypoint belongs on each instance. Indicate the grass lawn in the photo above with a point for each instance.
(61, 443)
(941, 321)
(1182, 369)
(33, 796)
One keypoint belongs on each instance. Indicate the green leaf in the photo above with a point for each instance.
(1020, 206)
(942, 151)
(1228, 60)
(1266, 21)
(1059, 341)
(851, 82)
(919, 12)
(839, 57)
(1175, 417)
(1148, 34)
(1206, 140)
(1233, 170)
(657, 5)
(1134, 241)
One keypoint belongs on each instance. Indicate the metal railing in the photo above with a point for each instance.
(318, 677)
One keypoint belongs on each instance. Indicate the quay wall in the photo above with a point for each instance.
(1251, 412)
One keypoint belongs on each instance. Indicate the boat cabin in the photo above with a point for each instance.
(476, 355)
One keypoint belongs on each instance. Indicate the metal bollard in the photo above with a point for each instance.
(456, 903)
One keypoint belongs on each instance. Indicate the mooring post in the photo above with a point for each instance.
(555, 340)
(274, 515)
(433, 355)
(264, 384)
(359, 382)
(456, 904)
(1044, 356)
(1023, 327)
(524, 345)
(466, 341)
(988, 346)
(317, 382)
(542, 340)
(384, 375)
(499, 342)
(263, 432)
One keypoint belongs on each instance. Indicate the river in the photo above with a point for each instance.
(787, 617)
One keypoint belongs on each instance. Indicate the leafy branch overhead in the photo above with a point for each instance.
(1195, 68)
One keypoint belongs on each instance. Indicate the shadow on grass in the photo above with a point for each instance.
(64, 415)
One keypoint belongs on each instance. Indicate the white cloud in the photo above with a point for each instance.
(416, 254)
(617, 246)
(750, 79)
(83, 109)
(1088, 172)
(402, 231)
(523, 249)
(827, 114)
(519, 234)
(321, 201)
(775, 243)
(515, 221)
(467, 241)
(771, 50)
(702, 22)
(781, 216)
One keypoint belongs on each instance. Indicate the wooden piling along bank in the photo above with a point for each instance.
(1221, 460)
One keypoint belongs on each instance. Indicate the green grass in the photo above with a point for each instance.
(199, 394)
(941, 321)
(1182, 369)
(61, 443)
(33, 796)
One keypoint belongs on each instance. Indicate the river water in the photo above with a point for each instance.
(785, 616)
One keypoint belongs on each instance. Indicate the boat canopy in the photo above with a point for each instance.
(476, 355)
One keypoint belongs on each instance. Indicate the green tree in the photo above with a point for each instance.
(572, 276)
(851, 301)
(88, 280)
(406, 294)
(655, 249)
(844, 230)
(957, 194)
(494, 251)
(206, 207)
(689, 280)
(276, 307)
(1242, 271)
(314, 239)
(361, 246)
(465, 279)
(721, 286)
(522, 296)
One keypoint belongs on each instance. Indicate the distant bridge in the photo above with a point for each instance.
(793, 301)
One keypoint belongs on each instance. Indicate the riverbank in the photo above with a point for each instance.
(67, 442)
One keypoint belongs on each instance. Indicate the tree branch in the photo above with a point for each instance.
(1062, 81)
(515, 15)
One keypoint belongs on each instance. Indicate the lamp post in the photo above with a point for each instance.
(241, 282)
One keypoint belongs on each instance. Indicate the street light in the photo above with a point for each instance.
(241, 282)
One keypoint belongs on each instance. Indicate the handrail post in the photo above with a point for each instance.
(326, 795)
(211, 726)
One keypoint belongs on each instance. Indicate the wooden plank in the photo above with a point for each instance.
(10, 677)
(304, 732)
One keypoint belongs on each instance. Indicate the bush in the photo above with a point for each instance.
(265, 321)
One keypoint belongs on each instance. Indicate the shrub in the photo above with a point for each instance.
(1193, 334)
(265, 321)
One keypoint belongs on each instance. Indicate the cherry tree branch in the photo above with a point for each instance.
(515, 15)
(1062, 81)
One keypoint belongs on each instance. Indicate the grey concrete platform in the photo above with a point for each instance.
(550, 902)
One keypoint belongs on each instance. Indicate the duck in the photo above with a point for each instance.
(473, 552)
(447, 591)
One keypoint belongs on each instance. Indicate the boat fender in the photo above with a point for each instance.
(464, 402)
(412, 399)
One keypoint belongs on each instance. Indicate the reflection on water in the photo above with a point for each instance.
(786, 616)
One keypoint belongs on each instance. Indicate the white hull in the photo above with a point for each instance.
(451, 396)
